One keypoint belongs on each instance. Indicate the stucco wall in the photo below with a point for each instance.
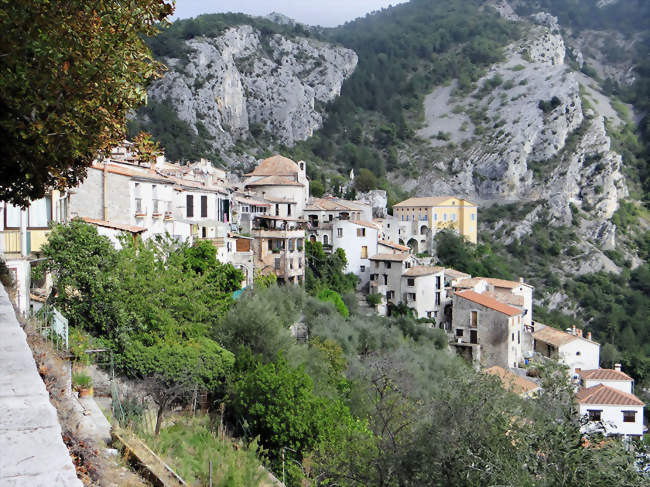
(612, 418)
(581, 354)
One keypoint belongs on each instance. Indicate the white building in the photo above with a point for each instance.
(613, 378)
(283, 183)
(386, 278)
(388, 247)
(611, 410)
(423, 290)
(359, 241)
(572, 349)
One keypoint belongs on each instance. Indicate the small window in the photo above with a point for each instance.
(437, 299)
(578, 352)
(473, 216)
(459, 332)
(204, 206)
(277, 264)
(438, 283)
(339, 232)
(387, 265)
(594, 414)
(362, 268)
(270, 241)
(410, 282)
(412, 297)
(364, 252)
(444, 216)
(513, 336)
(518, 337)
(629, 416)
(474, 319)
(361, 232)
(189, 205)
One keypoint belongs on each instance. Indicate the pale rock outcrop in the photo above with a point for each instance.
(242, 78)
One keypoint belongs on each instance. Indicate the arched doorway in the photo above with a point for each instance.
(413, 244)
(423, 230)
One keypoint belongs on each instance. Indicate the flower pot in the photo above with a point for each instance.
(86, 392)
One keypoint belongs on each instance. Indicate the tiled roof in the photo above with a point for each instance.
(332, 204)
(422, 270)
(249, 201)
(275, 199)
(364, 223)
(603, 374)
(392, 257)
(548, 334)
(429, 201)
(606, 395)
(513, 299)
(115, 226)
(274, 181)
(454, 274)
(276, 165)
(393, 245)
(489, 302)
(503, 282)
(469, 283)
(511, 381)
(281, 218)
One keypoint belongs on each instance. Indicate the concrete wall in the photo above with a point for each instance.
(32, 450)
(292, 262)
(87, 199)
(612, 418)
(425, 291)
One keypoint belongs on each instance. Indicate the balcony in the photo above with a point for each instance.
(12, 241)
(169, 215)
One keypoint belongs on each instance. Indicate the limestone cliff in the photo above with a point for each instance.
(243, 79)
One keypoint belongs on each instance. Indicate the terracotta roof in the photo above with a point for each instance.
(548, 334)
(453, 273)
(332, 204)
(392, 257)
(249, 201)
(274, 199)
(393, 245)
(274, 181)
(489, 302)
(513, 299)
(283, 218)
(364, 223)
(429, 201)
(133, 172)
(511, 381)
(503, 282)
(422, 270)
(115, 226)
(276, 165)
(469, 282)
(604, 374)
(606, 395)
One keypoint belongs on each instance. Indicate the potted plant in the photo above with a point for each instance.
(82, 383)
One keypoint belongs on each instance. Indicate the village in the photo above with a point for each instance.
(260, 224)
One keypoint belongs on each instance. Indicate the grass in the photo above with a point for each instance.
(190, 443)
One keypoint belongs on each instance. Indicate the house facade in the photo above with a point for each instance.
(386, 278)
(487, 331)
(611, 410)
(423, 290)
(570, 348)
(278, 247)
(358, 239)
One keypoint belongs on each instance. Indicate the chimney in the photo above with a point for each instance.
(588, 335)
(573, 330)
(521, 280)
(617, 367)
(579, 330)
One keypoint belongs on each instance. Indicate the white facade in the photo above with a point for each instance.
(613, 418)
(424, 292)
(579, 354)
(359, 241)
(386, 278)
(621, 385)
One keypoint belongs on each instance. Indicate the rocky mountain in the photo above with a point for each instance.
(243, 81)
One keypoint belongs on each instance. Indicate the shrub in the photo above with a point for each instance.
(334, 298)
(373, 299)
(81, 380)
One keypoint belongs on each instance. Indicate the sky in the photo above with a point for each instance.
(328, 13)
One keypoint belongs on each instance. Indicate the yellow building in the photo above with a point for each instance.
(440, 212)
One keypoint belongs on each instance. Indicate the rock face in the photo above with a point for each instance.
(243, 81)
(524, 135)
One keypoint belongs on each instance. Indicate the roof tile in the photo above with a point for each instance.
(489, 302)
(602, 394)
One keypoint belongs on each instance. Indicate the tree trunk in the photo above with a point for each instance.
(159, 417)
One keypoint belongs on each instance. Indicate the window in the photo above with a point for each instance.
(270, 241)
(387, 264)
(578, 352)
(364, 252)
(277, 264)
(331, 217)
(291, 244)
(288, 209)
(459, 332)
(444, 216)
(473, 216)
(513, 336)
(594, 414)
(629, 416)
(189, 205)
(410, 282)
(412, 296)
(325, 240)
(518, 337)
(474, 319)
(339, 232)
(362, 268)
(204, 206)
(40, 213)
(438, 282)
(437, 299)
(453, 216)
(277, 209)
(435, 217)
(12, 214)
(361, 232)
(204, 232)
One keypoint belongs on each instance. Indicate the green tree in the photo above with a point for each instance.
(365, 180)
(316, 188)
(72, 71)
(327, 270)
(333, 297)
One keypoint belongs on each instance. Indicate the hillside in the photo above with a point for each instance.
(536, 110)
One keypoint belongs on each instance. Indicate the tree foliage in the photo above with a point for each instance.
(71, 71)
(327, 270)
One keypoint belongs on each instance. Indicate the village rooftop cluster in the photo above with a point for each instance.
(260, 223)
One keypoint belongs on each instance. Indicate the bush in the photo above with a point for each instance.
(374, 299)
(334, 298)
(549, 106)
(81, 380)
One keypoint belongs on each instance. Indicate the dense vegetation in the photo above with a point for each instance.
(365, 401)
